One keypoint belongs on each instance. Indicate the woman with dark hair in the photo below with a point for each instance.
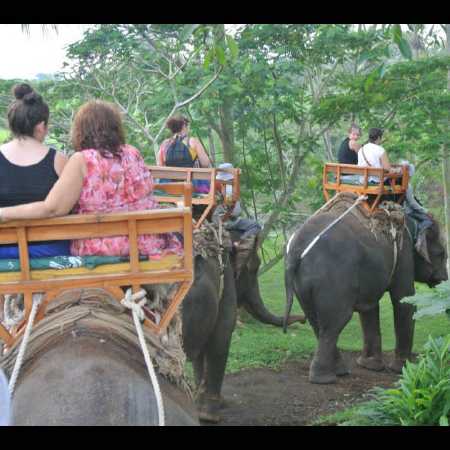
(28, 168)
(104, 175)
(181, 150)
(373, 154)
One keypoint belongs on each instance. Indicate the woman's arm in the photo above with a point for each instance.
(60, 162)
(60, 200)
(201, 153)
(354, 145)
(387, 165)
(384, 159)
(160, 160)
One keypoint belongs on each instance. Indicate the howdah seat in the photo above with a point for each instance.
(135, 272)
(368, 181)
(217, 192)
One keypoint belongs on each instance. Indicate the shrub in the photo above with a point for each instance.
(432, 302)
(420, 397)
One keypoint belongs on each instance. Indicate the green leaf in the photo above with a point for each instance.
(232, 45)
(443, 421)
(405, 49)
(220, 53)
(208, 58)
(397, 33)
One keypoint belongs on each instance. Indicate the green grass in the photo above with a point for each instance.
(259, 345)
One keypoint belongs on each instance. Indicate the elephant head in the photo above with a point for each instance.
(430, 256)
(246, 263)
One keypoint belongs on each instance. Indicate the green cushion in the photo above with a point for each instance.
(64, 262)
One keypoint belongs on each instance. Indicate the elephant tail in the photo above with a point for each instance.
(291, 268)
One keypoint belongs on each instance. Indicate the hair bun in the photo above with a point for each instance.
(22, 90)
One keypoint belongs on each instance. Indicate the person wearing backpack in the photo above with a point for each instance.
(182, 150)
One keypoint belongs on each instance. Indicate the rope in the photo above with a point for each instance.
(37, 298)
(10, 318)
(135, 302)
(219, 255)
(314, 241)
(394, 237)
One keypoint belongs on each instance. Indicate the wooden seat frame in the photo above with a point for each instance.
(189, 174)
(398, 182)
(82, 226)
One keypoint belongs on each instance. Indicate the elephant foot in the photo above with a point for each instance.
(397, 365)
(342, 368)
(208, 411)
(321, 377)
(370, 363)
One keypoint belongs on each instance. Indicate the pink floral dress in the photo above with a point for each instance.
(119, 185)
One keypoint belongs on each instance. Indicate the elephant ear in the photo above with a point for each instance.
(422, 247)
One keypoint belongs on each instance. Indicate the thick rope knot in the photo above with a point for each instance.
(135, 302)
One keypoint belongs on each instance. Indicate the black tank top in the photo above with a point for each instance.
(346, 155)
(25, 184)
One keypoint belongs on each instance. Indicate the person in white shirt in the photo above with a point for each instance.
(373, 154)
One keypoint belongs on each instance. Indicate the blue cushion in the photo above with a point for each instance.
(36, 250)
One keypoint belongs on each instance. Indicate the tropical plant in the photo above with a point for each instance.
(420, 397)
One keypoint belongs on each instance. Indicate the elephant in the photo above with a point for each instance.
(209, 319)
(85, 374)
(349, 269)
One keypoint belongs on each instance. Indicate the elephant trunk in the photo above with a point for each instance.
(254, 304)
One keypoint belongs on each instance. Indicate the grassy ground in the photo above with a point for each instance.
(257, 345)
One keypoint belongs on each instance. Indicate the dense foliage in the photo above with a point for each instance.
(421, 396)
(275, 100)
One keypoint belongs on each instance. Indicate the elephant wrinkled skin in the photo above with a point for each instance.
(349, 270)
(209, 321)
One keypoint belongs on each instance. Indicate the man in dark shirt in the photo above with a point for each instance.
(348, 151)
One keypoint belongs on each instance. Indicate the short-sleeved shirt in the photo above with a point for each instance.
(120, 185)
(372, 153)
(346, 155)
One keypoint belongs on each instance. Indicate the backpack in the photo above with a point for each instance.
(179, 155)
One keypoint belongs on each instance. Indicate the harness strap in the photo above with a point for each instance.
(37, 298)
(394, 237)
(135, 302)
(314, 241)
(219, 238)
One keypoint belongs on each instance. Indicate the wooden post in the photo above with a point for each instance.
(134, 251)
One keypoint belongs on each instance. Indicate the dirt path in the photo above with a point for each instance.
(286, 397)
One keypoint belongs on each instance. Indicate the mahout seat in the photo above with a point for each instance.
(110, 277)
(217, 192)
(368, 181)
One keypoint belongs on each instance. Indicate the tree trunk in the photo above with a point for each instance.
(225, 108)
(446, 170)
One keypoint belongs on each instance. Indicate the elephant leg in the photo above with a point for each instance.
(371, 357)
(198, 364)
(327, 361)
(342, 367)
(404, 334)
(216, 354)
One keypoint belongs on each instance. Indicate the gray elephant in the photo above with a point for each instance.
(84, 366)
(209, 319)
(349, 269)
